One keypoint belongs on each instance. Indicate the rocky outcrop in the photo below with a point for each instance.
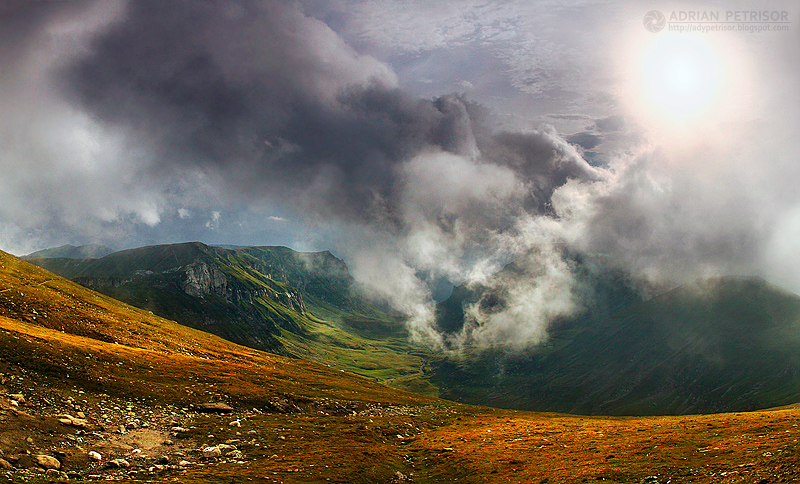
(202, 279)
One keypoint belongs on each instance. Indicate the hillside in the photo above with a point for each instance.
(297, 304)
(94, 390)
(727, 344)
(88, 251)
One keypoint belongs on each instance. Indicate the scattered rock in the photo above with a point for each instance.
(649, 480)
(217, 407)
(235, 454)
(46, 461)
(17, 397)
(184, 463)
(400, 477)
(236, 423)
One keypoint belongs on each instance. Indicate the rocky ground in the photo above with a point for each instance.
(69, 434)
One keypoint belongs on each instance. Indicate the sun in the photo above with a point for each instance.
(682, 76)
(685, 81)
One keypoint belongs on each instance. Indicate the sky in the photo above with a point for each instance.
(420, 141)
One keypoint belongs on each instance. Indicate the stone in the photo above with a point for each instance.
(217, 407)
(17, 397)
(235, 454)
(95, 456)
(47, 461)
(211, 452)
(67, 419)
(119, 463)
(4, 464)
(53, 473)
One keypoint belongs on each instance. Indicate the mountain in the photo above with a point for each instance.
(89, 251)
(270, 298)
(720, 345)
(93, 390)
(726, 344)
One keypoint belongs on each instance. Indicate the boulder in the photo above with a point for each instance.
(119, 463)
(211, 452)
(216, 407)
(67, 419)
(47, 461)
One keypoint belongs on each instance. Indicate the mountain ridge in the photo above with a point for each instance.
(87, 251)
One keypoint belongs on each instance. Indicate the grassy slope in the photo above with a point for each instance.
(340, 328)
(56, 327)
(63, 334)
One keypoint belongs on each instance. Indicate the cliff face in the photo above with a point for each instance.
(202, 279)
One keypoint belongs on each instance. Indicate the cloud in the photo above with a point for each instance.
(125, 121)
(585, 140)
(610, 123)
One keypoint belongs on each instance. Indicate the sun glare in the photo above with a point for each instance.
(684, 81)
(681, 76)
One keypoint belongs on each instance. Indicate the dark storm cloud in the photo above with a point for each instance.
(277, 105)
(20, 20)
